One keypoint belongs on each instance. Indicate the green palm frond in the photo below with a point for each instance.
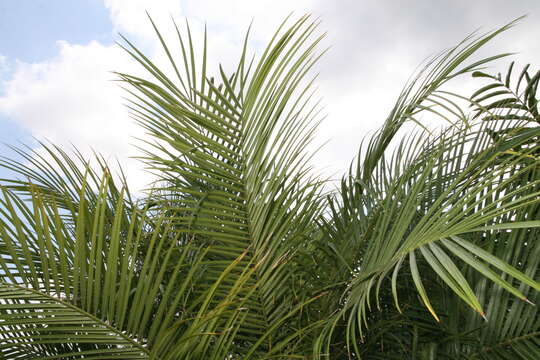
(205, 267)
(237, 252)
(59, 278)
(86, 291)
(512, 326)
(232, 157)
(60, 175)
(401, 213)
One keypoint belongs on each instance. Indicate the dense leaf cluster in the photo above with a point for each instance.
(427, 248)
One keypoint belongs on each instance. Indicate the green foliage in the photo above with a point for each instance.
(425, 250)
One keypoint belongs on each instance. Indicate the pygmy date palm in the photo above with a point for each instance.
(426, 249)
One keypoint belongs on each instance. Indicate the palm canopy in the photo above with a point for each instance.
(238, 252)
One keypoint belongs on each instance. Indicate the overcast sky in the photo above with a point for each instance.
(56, 57)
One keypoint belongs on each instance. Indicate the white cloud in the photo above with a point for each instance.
(4, 69)
(3, 63)
(72, 99)
(129, 16)
(72, 89)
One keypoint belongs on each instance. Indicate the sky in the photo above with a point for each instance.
(56, 59)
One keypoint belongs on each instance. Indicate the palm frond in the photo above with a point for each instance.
(236, 252)
(234, 168)
(398, 210)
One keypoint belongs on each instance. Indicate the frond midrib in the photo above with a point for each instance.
(82, 312)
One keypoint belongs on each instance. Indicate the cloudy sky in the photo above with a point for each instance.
(56, 57)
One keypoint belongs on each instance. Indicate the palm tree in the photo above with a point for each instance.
(239, 252)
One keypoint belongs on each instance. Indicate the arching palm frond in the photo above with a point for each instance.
(218, 238)
(404, 218)
(510, 106)
(231, 155)
(235, 252)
